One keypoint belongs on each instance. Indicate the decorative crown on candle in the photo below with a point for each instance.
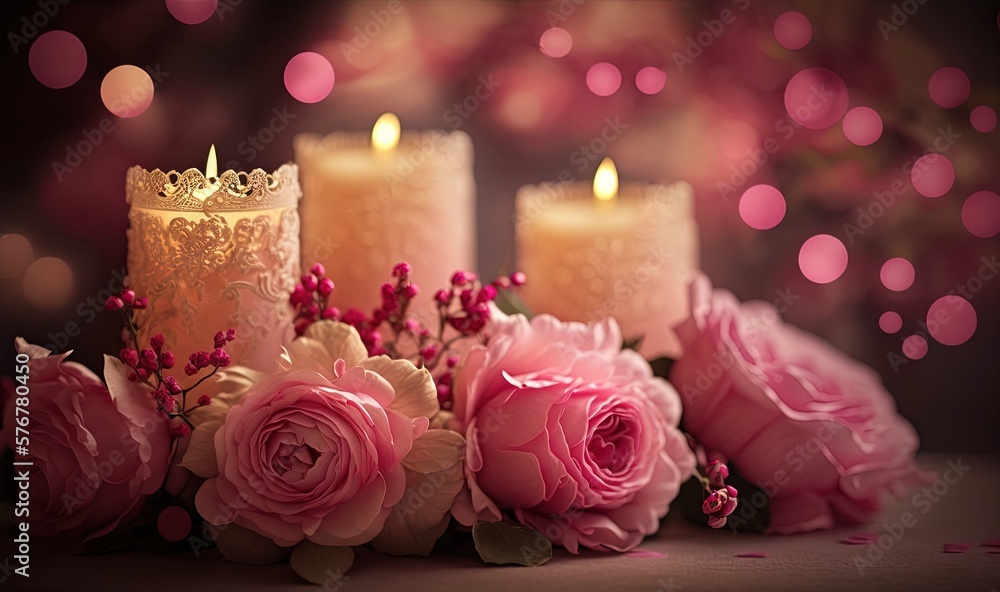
(234, 191)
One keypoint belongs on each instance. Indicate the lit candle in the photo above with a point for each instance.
(592, 251)
(370, 203)
(212, 252)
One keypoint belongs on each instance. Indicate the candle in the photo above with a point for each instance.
(212, 252)
(369, 204)
(591, 251)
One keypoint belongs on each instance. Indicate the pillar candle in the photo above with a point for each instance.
(370, 203)
(213, 253)
(630, 255)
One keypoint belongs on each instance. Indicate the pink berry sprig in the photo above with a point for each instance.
(311, 299)
(720, 500)
(149, 364)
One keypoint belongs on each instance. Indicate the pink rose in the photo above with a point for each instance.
(813, 428)
(328, 448)
(569, 432)
(97, 450)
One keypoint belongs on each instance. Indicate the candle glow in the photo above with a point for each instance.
(385, 134)
(606, 180)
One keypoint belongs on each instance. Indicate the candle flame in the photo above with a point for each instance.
(385, 134)
(606, 180)
(212, 165)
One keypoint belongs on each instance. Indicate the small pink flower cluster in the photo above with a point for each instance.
(147, 365)
(311, 298)
(464, 307)
(722, 498)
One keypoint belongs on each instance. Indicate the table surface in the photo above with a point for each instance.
(697, 558)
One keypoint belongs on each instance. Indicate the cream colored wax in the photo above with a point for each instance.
(631, 257)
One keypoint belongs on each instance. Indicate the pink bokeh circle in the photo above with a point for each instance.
(556, 42)
(981, 214)
(792, 30)
(309, 77)
(822, 258)
(57, 59)
(983, 119)
(650, 80)
(192, 12)
(914, 347)
(604, 79)
(127, 91)
(816, 98)
(862, 126)
(951, 320)
(174, 523)
(932, 175)
(890, 322)
(897, 274)
(949, 87)
(762, 207)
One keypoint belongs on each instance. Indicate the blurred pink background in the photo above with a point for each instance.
(718, 119)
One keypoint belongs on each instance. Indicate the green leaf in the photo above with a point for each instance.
(321, 565)
(504, 543)
(661, 367)
(510, 303)
(241, 545)
(633, 344)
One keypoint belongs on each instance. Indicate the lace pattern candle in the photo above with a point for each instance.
(368, 205)
(215, 253)
(630, 256)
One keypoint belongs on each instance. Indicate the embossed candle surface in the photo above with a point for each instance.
(215, 253)
(366, 207)
(630, 257)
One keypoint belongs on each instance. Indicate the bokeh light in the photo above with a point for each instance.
(762, 207)
(914, 347)
(16, 254)
(604, 79)
(556, 42)
(48, 283)
(57, 59)
(808, 102)
(650, 80)
(951, 320)
(949, 87)
(981, 214)
(897, 274)
(983, 119)
(862, 126)
(127, 91)
(174, 523)
(309, 77)
(792, 30)
(192, 12)
(822, 259)
(890, 322)
(933, 175)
